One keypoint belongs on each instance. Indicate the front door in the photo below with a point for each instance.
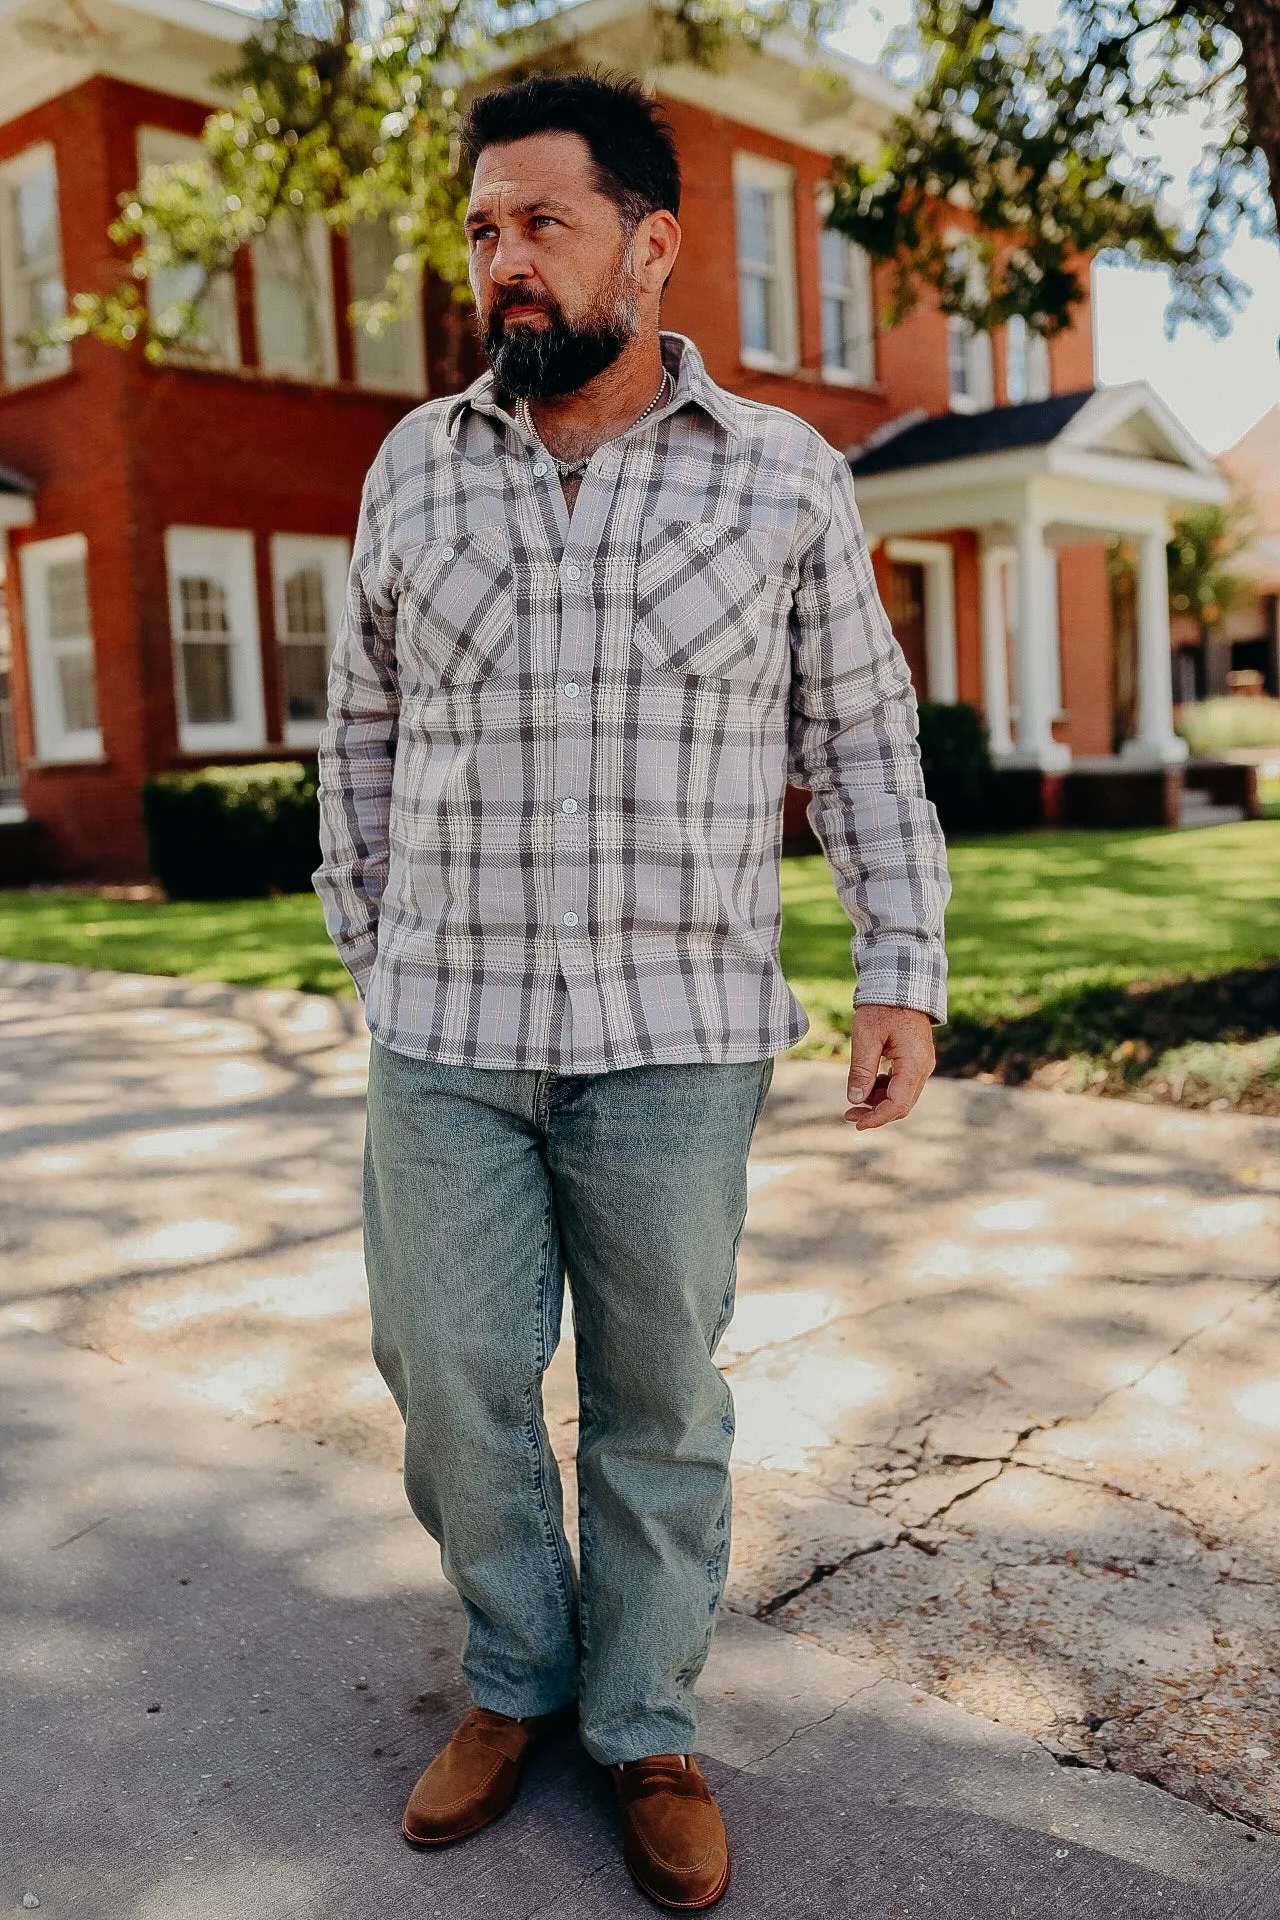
(904, 605)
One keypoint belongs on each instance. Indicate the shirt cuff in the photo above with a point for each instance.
(904, 973)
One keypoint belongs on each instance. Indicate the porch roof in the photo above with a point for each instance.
(1102, 461)
(957, 436)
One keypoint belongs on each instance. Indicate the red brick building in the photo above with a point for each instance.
(178, 535)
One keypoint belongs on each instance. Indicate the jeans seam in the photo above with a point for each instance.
(536, 1430)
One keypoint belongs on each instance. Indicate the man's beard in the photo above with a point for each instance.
(541, 363)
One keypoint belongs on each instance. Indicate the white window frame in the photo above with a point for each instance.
(771, 177)
(227, 556)
(971, 349)
(54, 740)
(331, 556)
(20, 369)
(315, 240)
(855, 288)
(404, 333)
(1022, 345)
(160, 147)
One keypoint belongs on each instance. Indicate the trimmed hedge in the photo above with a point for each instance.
(233, 833)
(956, 762)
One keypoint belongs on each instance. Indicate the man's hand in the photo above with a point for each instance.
(890, 1058)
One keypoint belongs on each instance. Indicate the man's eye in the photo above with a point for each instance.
(544, 220)
(482, 233)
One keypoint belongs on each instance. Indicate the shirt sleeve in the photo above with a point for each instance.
(358, 746)
(853, 745)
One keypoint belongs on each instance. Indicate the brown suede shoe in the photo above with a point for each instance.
(673, 1838)
(475, 1777)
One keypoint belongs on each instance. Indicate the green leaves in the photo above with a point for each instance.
(1031, 143)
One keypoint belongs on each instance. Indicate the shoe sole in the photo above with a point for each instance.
(682, 1906)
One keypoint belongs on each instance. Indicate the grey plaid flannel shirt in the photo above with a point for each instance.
(553, 771)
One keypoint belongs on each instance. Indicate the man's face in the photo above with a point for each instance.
(550, 266)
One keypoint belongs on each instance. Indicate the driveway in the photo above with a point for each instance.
(1007, 1378)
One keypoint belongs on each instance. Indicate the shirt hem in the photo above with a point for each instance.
(678, 1054)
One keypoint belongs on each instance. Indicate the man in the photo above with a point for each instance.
(599, 609)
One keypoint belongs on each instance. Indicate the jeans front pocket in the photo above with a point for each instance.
(457, 606)
(701, 594)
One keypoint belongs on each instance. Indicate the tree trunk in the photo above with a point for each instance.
(1258, 24)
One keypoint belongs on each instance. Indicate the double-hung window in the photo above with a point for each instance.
(213, 614)
(59, 633)
(1026, 365)
(848, 315)
(293, 299)
(32, 293)
(309, 577)
(391, 361)
(764, 198)
(170, 289)
(969, 374)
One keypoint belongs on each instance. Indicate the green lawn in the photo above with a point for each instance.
(1035, 920)
(1037, 917)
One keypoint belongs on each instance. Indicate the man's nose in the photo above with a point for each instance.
(510, 261)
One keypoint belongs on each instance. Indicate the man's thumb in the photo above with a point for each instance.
(864, 1064)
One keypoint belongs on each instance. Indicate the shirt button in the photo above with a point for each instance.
(706, 535)
(449, 553)
(539, 467)
(573, 573)
(571, 919)
(571, 689)
(568, 806)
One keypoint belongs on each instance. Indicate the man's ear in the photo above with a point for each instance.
(654, 250)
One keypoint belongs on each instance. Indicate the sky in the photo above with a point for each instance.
(1218, 388)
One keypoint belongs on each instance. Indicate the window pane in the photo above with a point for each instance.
(755, 300)
(834, 259)
(835, 342)
(306, 673)
(289, 289)
(304, 608)
(206, 682)
(79, 691)
(1015, 378)
(385, 359)
(35, 217)
(67, 599)
(757, 244)
(203, 605)
(958, 356)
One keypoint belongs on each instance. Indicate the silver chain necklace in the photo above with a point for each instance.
(570, 469)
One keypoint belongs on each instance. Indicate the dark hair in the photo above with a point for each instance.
(633, 148)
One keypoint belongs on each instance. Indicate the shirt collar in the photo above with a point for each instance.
(693, 387)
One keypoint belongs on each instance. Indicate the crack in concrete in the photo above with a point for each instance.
(811, 1726)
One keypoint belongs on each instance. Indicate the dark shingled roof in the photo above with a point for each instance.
(959, 436)
(11, 481)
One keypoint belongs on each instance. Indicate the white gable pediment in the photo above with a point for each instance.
(1133, 423)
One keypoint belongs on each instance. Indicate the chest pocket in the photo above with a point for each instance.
(700, 595)
(457, 606)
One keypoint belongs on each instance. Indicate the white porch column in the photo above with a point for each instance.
(1156, 743)
(995, 660)
(1036, 744)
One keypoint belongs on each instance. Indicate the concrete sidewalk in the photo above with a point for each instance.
(227, 1650)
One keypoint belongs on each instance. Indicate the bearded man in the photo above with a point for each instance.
(599, 610)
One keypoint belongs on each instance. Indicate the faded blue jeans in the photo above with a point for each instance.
(482, 1188)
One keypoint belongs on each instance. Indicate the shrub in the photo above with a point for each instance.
(233, 833)
(1216, 726)
(957, 764)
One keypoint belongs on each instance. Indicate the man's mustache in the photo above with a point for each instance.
(513, 297)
